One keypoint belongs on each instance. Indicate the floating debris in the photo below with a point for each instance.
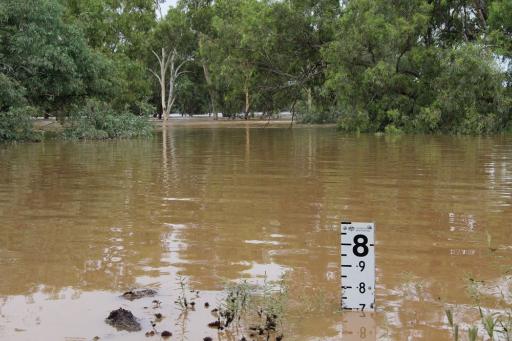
(136, 294)
(158, 317)
(123, 319)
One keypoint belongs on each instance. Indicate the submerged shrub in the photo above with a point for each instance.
(16, 124)
(391, 129)
(97, 120)
(356, 121)
(469, 92)
(318, 117)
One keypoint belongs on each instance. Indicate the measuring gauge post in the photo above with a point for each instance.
(358, 266)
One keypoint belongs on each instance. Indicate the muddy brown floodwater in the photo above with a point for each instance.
(80, 223)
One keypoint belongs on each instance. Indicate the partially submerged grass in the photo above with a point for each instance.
(259, 310)
(495, 322)
(182, 301)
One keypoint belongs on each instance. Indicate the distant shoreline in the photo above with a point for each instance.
(51, 124)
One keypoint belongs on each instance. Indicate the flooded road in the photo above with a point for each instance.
(80, 223)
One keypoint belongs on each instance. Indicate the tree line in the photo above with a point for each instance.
(101, 66)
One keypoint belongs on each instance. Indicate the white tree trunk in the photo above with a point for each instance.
(167, 63)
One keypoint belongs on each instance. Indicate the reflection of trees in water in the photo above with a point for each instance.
(242, 193)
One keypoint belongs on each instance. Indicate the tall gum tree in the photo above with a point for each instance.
(173, 45)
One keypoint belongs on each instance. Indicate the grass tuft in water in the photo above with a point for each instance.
(472, 333)
(260, 309)
(182, 301)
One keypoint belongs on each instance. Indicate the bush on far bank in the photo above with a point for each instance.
(16, 125)
(97, 120)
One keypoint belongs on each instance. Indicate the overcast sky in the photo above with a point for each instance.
(167, 4)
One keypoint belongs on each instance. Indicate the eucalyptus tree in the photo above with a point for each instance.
(172, 45)
(199, 14)
(119, 30)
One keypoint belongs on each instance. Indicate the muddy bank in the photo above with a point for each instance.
(52, 125)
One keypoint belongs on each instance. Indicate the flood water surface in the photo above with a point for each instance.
(80, 223)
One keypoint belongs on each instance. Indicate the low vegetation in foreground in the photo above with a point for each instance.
(369, 65)
(243, 312)
(490, 300)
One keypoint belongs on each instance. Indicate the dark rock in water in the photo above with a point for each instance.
(166, 333)
(150, 333)
(135, 294)
(207, 339)
(279, 338)
(123, 319)
(206, 305)
(215, 324)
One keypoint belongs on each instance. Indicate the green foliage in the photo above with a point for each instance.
(391, 66)
(354, 121)
(469, 92)
(96, 120)
(16, 125)
(48, 57)
(114, 27)
(500, 23)
(369, 65)
(12, 94)
(472, 333)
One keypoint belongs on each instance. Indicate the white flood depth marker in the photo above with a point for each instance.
(358, 266)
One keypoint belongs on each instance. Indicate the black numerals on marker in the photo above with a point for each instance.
(360, 248)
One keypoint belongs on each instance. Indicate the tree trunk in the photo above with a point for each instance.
(211, 92)
(247, 102)
(163, 71)
(208, 79)
(310, 100)
(167, 61)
